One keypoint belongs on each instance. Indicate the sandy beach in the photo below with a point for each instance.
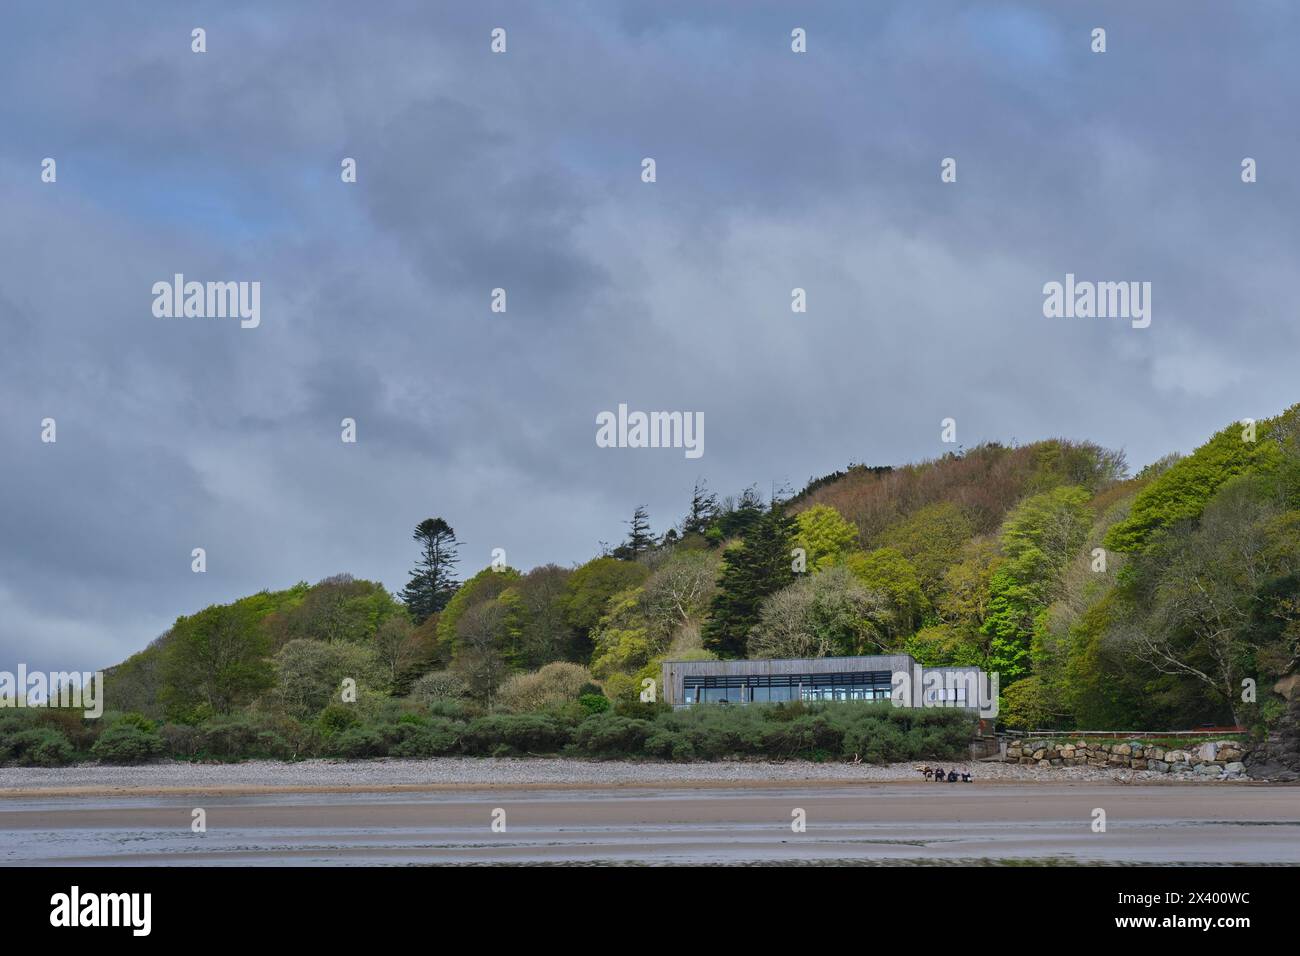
(585, 813)
(343, 776)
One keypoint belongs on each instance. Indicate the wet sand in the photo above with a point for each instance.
(863, 823)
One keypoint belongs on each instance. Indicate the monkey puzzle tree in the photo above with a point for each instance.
(432, 582)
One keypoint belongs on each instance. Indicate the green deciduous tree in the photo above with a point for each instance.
(588, 591)
(1183, 490)
(1038, 538)
(886, 572)
(483, 587)
(932, 539)
(214, 661)
(826, 537)
(310, 674)
(825, 614)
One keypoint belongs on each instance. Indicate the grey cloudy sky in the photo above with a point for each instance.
(522, 171)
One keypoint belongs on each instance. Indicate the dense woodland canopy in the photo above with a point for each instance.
(1103, 600)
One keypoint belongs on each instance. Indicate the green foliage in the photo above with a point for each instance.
(239, 737)
(589, 589)
(482, 587)
(825, 537)
(737, 517)
(981, 557)
(439, 687)
(136, 683)
(1216, 602)
(127, 743)
(34, 747)
(608, 735)
(433, 580)
(339, 608)
(138, 721)
(757, 567)
(621, 640)
(874, 732)
(931, 539)
(538, 631)
(826, 614)
(437, 738)
(1182, 492)
(501, 734)
(1084, 464)
(311, 673)
(1038, 538)
(1024, 706)
(337, 718)
(357, 742)
(549, 687)
(886, 572)
(947, 644)
(216, 660)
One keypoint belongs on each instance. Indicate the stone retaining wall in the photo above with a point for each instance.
(1222, 758)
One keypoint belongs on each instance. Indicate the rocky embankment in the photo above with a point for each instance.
(1278, 757)
(1222, 759)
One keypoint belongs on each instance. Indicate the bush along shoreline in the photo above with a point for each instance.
(590, 728)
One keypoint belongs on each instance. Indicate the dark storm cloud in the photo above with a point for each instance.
(522, 171)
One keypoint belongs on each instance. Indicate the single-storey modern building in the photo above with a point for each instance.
(896, 677)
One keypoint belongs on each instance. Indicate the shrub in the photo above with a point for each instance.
(36, 747)
(522, 733)
(81, 732)
(640, 709)
(355, 742)
(126, 743)
(669, 744)
(594, 703)
(453, 709)
(180, 740)
(433, 739)
(310, 673)
(438, 687)
(239, 736)
(606, 735)
(550, 686)
(337, 718)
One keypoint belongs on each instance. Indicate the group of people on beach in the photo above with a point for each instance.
(938, 776)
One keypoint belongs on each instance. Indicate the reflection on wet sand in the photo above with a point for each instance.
(877, 824)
